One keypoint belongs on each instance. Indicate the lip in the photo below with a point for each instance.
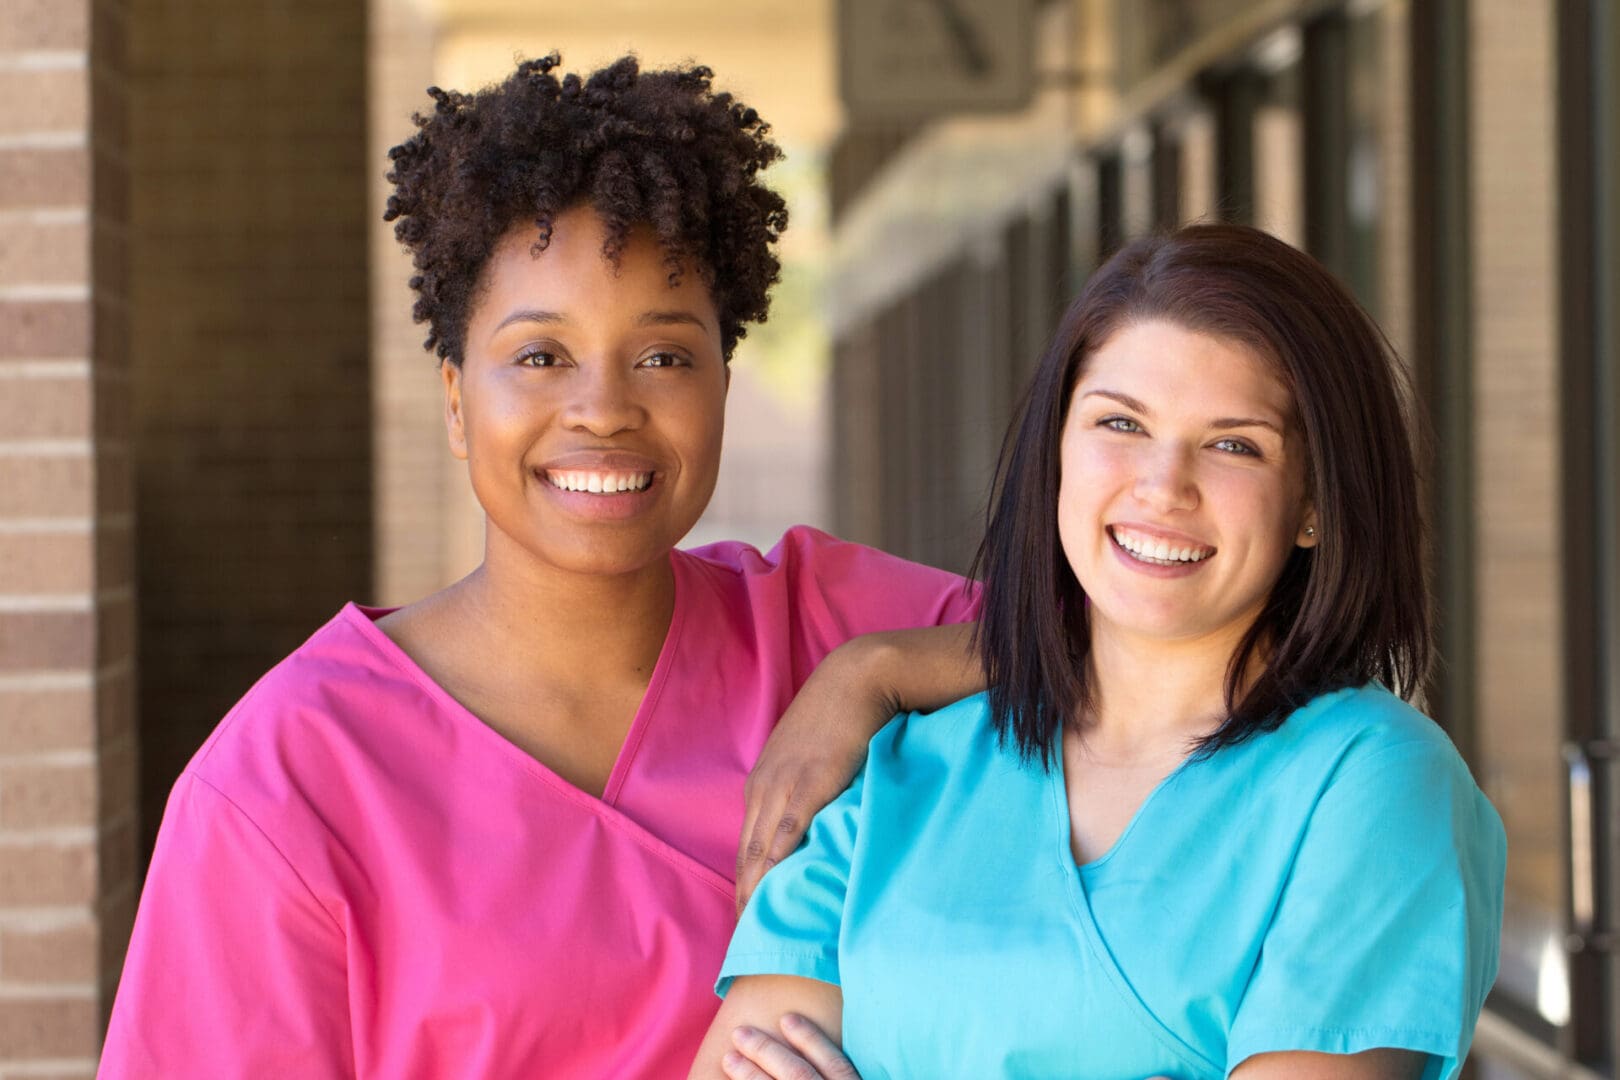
(600, 506)
(1179, 539)
(603, 460)
(1178, 570)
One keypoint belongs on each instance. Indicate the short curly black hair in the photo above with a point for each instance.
(659, 148)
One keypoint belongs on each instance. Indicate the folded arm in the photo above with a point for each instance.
(747, 1026)
(1381, 1064)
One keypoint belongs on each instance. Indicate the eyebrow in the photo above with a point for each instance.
(1222, 423)
(669, 318)
(530, 315)
(649, 318)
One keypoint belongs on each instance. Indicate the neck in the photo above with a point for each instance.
(564, 626)
(1153, 696)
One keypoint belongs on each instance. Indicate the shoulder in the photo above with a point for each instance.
(834, 589)
(1358, 727)
(317, 703)
(946, 730)
(1362, 755)
(804, 548)
(950, 746)
(341, 733)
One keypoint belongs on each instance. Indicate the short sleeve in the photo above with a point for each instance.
(840, 590)
(235, 969)
(793, 921)
(1386, 932)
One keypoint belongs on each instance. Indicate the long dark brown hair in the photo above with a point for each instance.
(1353, 609)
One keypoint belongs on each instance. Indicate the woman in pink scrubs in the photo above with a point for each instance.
(493, 833)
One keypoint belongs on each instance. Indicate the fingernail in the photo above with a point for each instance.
(731, 1062)
(739, 1035)
(795, 1021)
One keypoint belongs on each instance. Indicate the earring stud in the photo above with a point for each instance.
(1310, 530)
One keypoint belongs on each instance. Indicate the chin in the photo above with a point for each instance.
(607, 559)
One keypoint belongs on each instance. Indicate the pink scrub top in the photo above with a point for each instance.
(356, 877)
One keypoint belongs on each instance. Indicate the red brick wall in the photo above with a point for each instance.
(67, 759)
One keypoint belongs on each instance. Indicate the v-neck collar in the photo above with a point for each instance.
(655, 686)
(1090, 933)
(1058, 776)
(363, 620)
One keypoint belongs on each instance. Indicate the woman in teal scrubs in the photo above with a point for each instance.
(1193, 829)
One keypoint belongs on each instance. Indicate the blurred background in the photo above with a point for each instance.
(217, 423)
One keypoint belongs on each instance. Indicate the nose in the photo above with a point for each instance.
(603, 401)
(1166, 480)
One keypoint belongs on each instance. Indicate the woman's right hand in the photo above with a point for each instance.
(816, 750)
(820, 743)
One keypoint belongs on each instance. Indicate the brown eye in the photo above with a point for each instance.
(663, 360)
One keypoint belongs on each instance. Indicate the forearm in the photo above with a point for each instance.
(1380, 1064)
(916, 670)
(820, 743)
(760, 1001)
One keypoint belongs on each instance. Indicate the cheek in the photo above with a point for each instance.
(492, 412)
(1266, 514)
(1085, 486)
(699, 421)
(1093, 472)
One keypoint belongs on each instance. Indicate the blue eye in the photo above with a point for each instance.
(1120, 423)
(1236, 446)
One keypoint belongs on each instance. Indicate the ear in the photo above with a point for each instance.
(1310, 533)
(454, 425)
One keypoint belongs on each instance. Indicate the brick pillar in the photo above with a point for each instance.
(67, 757)
(250, 333)
(421, 494)
(1519, 630)
(1394, 306)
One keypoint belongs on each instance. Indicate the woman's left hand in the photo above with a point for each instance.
(808, 1054)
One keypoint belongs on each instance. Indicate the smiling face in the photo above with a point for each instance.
(1183, 488)
(590, 401)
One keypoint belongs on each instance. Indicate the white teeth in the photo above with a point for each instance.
(604, 483)
(1158, 551)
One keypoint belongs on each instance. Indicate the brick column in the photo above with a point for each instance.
(1517, 585)
(419, 489)
(67, 757)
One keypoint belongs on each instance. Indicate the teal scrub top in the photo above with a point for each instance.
(1333, 885)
